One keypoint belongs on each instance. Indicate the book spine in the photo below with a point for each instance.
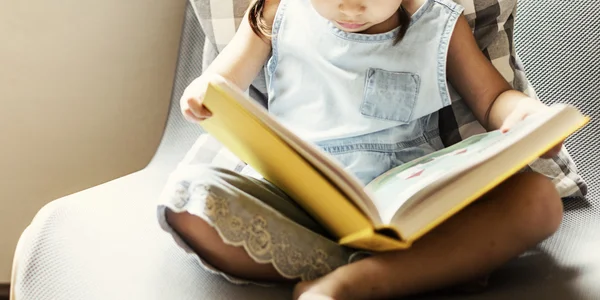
(373, 241)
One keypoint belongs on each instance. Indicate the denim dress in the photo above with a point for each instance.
(369, 102)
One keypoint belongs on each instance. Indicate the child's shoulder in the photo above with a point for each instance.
(270, 10)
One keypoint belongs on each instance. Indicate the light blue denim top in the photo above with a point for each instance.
(369, 103)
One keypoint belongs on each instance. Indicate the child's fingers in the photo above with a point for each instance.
(194, 107)
(204, 111)
(511, 120)
(198, 109)
(189, 115)
(314, 297)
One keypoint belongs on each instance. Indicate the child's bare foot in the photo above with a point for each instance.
(321, 289)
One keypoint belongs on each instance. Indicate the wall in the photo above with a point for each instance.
(84, 93)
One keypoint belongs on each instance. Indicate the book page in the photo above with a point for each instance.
(512, 151)
(396, 187)
(394, 190)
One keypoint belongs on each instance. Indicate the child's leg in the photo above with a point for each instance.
(506, 222)
(205, 241)
(224, 216)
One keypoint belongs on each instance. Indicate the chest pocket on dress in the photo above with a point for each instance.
(390, 95)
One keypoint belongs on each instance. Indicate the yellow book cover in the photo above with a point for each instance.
(399, 206)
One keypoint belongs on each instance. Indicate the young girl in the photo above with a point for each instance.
(363, 80)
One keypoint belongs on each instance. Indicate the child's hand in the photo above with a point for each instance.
(193, 96)
(524, 110)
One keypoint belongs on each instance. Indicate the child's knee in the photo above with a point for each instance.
(206, 242)
(539, 204)
(200, 236)
(192, 229)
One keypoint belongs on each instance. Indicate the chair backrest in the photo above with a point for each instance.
(558, 44)
(179, 134)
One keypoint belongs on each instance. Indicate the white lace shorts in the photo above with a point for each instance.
(256, 215)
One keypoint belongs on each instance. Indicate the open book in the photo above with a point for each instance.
(399, 206)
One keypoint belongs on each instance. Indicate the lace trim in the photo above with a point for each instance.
(266, 235)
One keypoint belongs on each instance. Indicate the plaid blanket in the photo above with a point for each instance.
(492, 22)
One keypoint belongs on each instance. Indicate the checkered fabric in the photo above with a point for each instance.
(492, 22)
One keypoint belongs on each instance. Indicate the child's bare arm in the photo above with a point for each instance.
(239, 63)
(480, 84)
(495, 104)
